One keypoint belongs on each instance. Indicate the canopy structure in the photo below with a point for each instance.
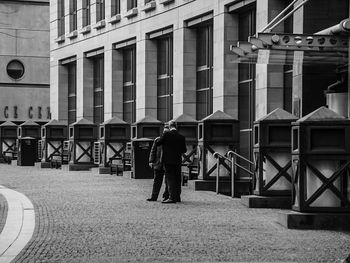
(329, 46)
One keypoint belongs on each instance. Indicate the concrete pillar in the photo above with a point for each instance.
(225, 76)
(184, 92)
(269, 78)
(113, 95)
(84, 88)
(146, 79)
(58, 91)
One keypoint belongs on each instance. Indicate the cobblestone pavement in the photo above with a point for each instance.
(84, 217)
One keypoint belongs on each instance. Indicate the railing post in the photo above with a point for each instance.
(233, 166)
(217, 174)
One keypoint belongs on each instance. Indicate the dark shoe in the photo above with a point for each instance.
(168, 201)
(151, 199)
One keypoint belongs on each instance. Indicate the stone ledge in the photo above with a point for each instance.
(241, 187)
(256, 201)
(166, 2)
(77, 167)
(115, 19)
(131, 13)
(324, 221)
(41, 165)
(149, 6)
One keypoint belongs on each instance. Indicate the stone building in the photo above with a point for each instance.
(24, 61)
(163, 58)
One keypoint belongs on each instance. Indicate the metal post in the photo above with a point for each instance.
(233, 166)
(218, 174)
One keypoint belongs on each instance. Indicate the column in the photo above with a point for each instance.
(146, 79)
(58, 91)
(184, 74)
(84, 88)
(225, 77)
(269, 78)
(113, 95)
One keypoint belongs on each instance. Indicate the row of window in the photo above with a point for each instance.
(86, 12)
(204, 78)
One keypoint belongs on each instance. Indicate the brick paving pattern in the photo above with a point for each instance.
(82, 217)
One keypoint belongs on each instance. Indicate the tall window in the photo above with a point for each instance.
(204, 89)
(73, 15)
(98, 82)
(129, 84)
(60, 17)
(86, 13)
(115, 7)
(72, 92)
(246, 86)
(165, 79)
(131, 4)
(100, 10)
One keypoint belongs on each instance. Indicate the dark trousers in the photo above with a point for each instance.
(173, 179)
(157, 184)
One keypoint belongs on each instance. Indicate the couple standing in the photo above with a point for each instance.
(165, 158)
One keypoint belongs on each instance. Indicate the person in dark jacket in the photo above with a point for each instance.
(155, 163)
(174, 146)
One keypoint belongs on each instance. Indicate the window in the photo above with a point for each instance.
(115, 7)
(147, 1)
(204, 87)
(73, 15)
(86, 13)
(100, 10)
(98, 84)
(131, 4)
(72, 92)
(60, 18)
(246, 85)
(129, 84)
(165, 79)
(15, 69)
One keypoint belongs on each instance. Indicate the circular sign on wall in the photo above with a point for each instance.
(15, 69)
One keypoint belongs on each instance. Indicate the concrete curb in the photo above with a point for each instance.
(19, 226)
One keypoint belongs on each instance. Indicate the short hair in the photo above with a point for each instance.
(166, 125)
(172, 124)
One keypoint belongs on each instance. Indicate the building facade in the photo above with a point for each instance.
(164, 58)
(24, 61)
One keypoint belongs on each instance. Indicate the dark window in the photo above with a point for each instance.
(204, 87)
(115, 7)
(73, 15)
(246, 85)
(147, 1)
(72, 92)
(165, 79)
(86, 13)
(129, 84)
(131, 4)
(60, 18)
(15, 69)
(98, 82)
(100, 10)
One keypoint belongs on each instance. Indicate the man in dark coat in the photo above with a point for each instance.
(155, 163)
(174, 146)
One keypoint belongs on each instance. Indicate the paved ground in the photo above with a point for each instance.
(81, 217)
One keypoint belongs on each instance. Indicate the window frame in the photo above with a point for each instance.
(60, 18)
(86, 12)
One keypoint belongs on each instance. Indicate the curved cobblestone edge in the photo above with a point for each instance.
(19, 226)
(3, 212)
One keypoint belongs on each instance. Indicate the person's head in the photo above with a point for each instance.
(172, 125)
(166, 127)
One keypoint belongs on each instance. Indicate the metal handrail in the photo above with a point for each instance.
(233, 161)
